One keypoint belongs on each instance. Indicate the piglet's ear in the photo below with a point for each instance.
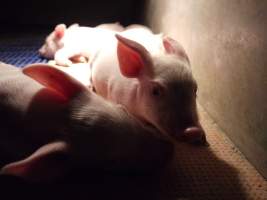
(49, 162)
(173, 47)
(54, 79)
(60, 30)
(133, 58)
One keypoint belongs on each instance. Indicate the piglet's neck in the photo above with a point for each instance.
(125, 92)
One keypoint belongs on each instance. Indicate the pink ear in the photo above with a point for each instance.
(47, 163)
(60, 30)
(54, 79)
(133, 57)
(173, 47)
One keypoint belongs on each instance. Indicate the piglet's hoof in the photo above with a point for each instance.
(79, 59)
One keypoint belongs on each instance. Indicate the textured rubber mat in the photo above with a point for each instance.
(20, 51)
(217, 172)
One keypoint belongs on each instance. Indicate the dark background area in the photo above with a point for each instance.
(25, 24)
(25, 16)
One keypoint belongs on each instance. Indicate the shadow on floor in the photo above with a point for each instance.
(194, 174)
(197, 173)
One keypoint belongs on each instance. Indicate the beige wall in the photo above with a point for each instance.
(227, 44)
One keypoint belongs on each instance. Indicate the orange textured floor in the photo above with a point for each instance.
(219, 171)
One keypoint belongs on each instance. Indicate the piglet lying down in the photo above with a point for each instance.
(51, 124)
(77, 43)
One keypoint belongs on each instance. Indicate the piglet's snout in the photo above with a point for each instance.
(195, 135)
(41, 50)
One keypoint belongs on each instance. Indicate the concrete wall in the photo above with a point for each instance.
(227, 44)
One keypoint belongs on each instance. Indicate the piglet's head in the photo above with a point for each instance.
(166, 87)
(53, 42)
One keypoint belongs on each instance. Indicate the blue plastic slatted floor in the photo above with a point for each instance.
(20, 51)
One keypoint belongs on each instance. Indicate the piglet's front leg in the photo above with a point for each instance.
(62, 57)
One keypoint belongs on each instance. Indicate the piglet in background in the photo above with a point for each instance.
(77, 43)
(51, 124)
(73, 46)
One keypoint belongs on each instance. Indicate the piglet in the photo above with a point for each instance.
(66, 45)
(51, 124)
(151, 76)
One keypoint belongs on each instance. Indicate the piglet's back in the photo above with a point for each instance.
(16, 89)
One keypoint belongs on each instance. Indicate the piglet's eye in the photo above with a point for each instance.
(157, 91)
(195, 89)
